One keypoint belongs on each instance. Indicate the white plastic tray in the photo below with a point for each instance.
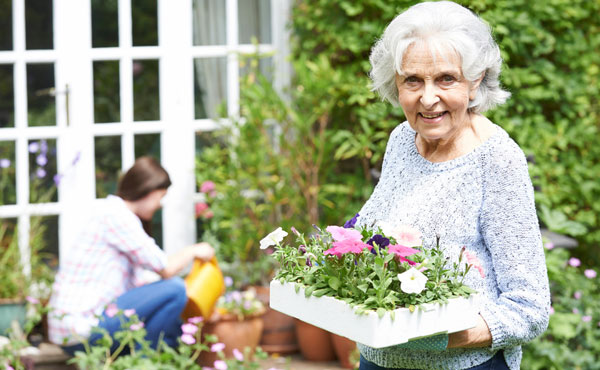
(339, 318)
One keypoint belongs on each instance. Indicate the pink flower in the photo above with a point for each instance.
(8, 367)
(207, 186)
(32, 300)
(129, 312)
(196, 319)
(188, 339)
(586, 318)
(589, 273)
(549, 245)
(401, 251)
(201, 207)
(551, 310)
(111, 310)
(347, 246)
(474, 262)
(295, 231)
(189, 328)
(340, 234)
(238, 355)
(137, 326)
(404, 234)
(575, 262)
(209, 214)
(217, 347)
(575, 311)
(577, 295)
(220, 365)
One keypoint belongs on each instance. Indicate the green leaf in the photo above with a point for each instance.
(334, 283)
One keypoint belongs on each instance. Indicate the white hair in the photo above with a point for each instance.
(440, 25)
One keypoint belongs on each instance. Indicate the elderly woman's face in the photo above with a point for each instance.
(433, 93)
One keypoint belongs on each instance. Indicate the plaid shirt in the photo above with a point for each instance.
(100, 267)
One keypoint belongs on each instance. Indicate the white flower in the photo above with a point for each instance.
(273, 238)
(412, 281)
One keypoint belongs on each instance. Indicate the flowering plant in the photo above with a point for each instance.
(240, 304)
(371, 269)
(134, 351)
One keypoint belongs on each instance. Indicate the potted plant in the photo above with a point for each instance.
(13, 282)
(237, 322)
(380, 286)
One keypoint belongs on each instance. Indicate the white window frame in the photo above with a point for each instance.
(73, 59)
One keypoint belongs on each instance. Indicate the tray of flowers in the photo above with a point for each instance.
(378, 286)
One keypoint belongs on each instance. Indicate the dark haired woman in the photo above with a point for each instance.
(97, 276)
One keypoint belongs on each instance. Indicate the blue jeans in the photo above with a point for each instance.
(158, 305)
(495, 363)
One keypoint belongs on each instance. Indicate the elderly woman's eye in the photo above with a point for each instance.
(448, 78)
(411, 79)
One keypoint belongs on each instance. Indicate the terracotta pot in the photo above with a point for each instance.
(315, 343)
(234, 333)
(279, 331)
(343, 349)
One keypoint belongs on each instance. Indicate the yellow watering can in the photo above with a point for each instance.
(204, 285)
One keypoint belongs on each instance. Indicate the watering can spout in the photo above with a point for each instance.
(204, 285)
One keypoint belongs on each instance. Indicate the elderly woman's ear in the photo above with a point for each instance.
(475, 85)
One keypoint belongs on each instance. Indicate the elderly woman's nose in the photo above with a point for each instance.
(429, 97)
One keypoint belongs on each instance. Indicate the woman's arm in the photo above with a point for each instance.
(479, 336)
(176, 262)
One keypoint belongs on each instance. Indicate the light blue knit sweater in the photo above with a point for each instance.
(484, 201)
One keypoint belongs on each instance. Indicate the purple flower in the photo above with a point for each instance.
(76, 159)
(575, 262)
(351, 222)
(43, 146)
(238, 355)
(188, 339)
(4, 163)
(302, 249)
(589, 273)
(196, 319)
(40, 172)
(32, 300)
(220, 365)
(295, 231)
(236, 296)
(379, 241)
(111, 310)
(129, 312)
(308, 262)
(577, 295)
(57, 179)
(41, 160)
(34, 147)
(586, 318)
(217, 347)
(228, 281)
(136, 326)
(189, 328)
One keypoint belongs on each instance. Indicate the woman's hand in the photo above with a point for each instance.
(479, 336)
(203, 251)
(185, 256)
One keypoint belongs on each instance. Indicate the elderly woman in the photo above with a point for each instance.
(450, 172)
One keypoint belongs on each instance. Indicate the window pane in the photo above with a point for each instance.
(107, 104)
(41, 104)
(156, 230)
(8, 187)
(7, 96)
(6, 25)
(209, 22)
(105, 23)
(147, 144)
(146, 106)
(144, 22)
(254, 20)
(210, 87)
(107, 153)
(43, 239)
(42, 171)
(38, 24)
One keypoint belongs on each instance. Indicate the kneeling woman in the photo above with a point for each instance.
(100, 268)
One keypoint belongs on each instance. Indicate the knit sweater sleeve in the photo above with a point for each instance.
(510, 230)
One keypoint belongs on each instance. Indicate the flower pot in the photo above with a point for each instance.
(279, 331)
(204, 285)
(392, 328)
(232, 332)
(343, 349)
(315, 343)
(11, 310)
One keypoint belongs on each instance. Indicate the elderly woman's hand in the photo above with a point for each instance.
(203, 251)
(479, 336)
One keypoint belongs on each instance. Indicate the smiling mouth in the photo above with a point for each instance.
(432, 115)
